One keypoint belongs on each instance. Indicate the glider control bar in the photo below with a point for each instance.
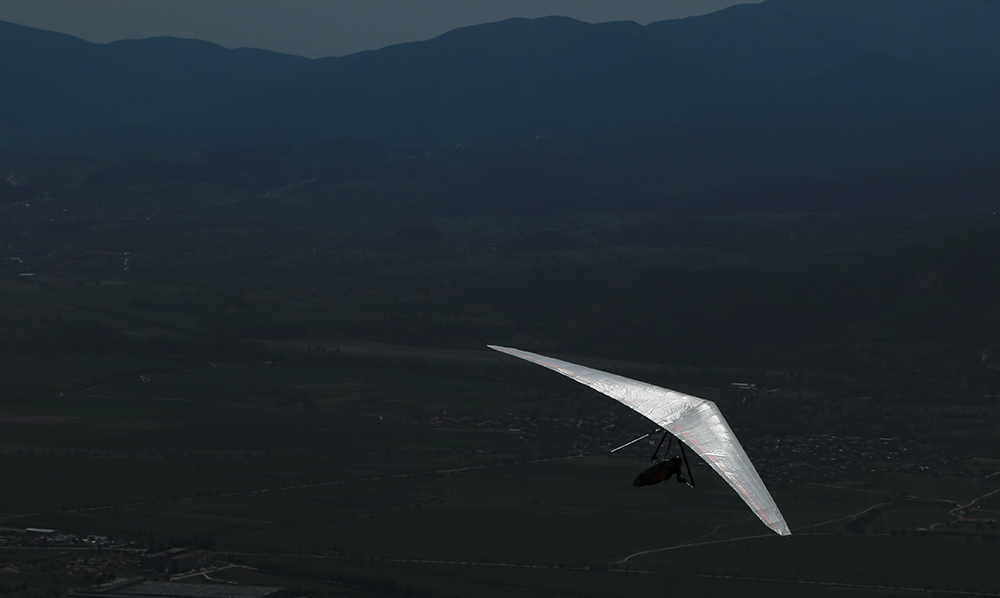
(631, 442)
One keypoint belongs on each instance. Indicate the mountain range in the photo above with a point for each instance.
(822, 83)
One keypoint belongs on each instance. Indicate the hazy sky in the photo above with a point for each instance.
(318, 27)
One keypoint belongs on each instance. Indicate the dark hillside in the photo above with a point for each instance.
(517, 77)
(838, 66)
(75, 94)
(773, 63)
(781, 38)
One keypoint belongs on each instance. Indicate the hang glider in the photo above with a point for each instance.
(696, 422)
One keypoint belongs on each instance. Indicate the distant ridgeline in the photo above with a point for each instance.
(815, 82)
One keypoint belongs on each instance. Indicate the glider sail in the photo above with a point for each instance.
(697, 422)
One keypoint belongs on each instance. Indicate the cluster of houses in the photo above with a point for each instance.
(42, 537)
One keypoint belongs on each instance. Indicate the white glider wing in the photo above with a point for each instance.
(696, 422)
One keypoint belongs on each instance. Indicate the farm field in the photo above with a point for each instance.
(470, 480)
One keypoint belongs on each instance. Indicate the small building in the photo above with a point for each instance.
(188, 561)
(158, 561)
(153, 561)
